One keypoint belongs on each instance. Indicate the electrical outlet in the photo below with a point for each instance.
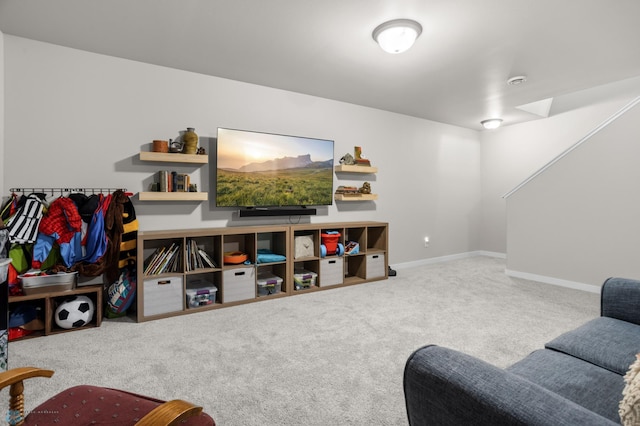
(426, 241)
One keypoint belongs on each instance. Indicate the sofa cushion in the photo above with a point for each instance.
(606, 342)
(630, 404)
(592, 387)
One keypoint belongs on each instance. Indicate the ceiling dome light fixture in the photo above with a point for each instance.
(519, 79)
(398, 35)
(492, 123)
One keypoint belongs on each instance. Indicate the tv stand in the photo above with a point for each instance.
(300, 267)
(277, 211)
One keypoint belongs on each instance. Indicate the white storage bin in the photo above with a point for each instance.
(303, 279)
(375, 266)
(331, 271)
(268, 284)
(162, 295)
(238, 284)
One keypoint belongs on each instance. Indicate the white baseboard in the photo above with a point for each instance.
(554, 281)
(448, 258)
(490, 254)
(516, 274)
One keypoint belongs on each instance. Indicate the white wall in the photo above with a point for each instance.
(75, 118)
(512, 153)
(578, 221)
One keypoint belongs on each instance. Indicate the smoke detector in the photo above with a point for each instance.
(519, 79)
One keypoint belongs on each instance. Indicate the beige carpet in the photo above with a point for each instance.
(325, 358)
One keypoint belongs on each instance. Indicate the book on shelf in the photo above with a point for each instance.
(163, 259)
(155, 260)
(205, 256)
(191, 260)
(172, 181)
(172, 262)
(180, 182)
(162, 181)
(197, 257)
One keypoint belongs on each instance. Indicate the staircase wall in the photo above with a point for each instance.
(579, 221)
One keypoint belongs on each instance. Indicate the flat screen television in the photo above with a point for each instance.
(265, 170)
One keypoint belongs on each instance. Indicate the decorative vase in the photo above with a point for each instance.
(190, 141)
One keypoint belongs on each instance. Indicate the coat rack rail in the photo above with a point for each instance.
(61, 190)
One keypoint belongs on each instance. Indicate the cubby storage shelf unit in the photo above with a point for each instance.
(48, 302)
(282, 261)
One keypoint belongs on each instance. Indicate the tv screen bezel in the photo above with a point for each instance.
(287, 207)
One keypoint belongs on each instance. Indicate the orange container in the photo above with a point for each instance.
(234, 257)
(160, 146)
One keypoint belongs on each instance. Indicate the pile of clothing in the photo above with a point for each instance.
(90, 234)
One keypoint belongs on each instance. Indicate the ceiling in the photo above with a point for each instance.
(456, 72)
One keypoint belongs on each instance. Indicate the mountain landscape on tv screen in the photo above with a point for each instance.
(284, 163)
(285, 181)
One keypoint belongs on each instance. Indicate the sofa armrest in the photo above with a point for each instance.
(620, 299)
(446, 387)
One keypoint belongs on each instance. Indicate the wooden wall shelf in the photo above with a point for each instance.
(342, 168)
(173, 158)
(356, 169)
(165, 157)
(356, 197)
(173, 196)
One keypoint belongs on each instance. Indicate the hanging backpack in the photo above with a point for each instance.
(120, 294)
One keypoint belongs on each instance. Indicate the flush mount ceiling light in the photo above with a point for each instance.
(492, 123)
(398, 35)
(519, 79)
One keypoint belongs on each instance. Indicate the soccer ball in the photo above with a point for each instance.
(74, 312)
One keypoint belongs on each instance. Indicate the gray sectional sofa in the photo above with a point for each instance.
(577, 379)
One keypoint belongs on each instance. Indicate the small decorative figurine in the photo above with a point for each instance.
(365, 189)
(357, 151)
(347, 160)
(361, 159)
(175, 146)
